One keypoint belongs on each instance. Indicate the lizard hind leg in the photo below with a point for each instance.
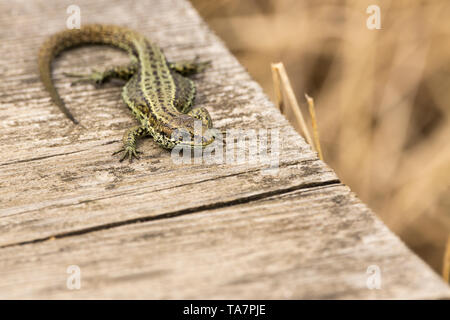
(129, 142)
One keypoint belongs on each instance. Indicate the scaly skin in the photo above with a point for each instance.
(157, 91)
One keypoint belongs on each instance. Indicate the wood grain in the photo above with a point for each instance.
(154, 229)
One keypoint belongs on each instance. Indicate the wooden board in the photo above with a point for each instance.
(145, 230)
(313, 243)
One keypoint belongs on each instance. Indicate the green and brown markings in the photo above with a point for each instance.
(157, 91)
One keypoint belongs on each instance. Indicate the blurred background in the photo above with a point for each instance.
(381, 96)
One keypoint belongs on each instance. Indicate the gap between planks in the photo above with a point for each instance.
(177, 213)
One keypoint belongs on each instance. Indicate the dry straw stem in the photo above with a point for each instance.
(279, 69)
(446, 265)
(312, 113)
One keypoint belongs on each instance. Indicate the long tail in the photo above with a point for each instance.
(116, 36)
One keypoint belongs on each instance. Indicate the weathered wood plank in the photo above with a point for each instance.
(315, 243)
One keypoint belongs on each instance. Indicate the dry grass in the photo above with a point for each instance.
(382, 96)
(285, 97)
(312, 114)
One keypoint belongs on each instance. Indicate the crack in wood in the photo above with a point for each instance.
(177, 213)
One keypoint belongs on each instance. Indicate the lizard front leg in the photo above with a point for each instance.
(129, 142)
(100, 77)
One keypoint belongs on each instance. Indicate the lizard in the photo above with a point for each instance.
(158, 92)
